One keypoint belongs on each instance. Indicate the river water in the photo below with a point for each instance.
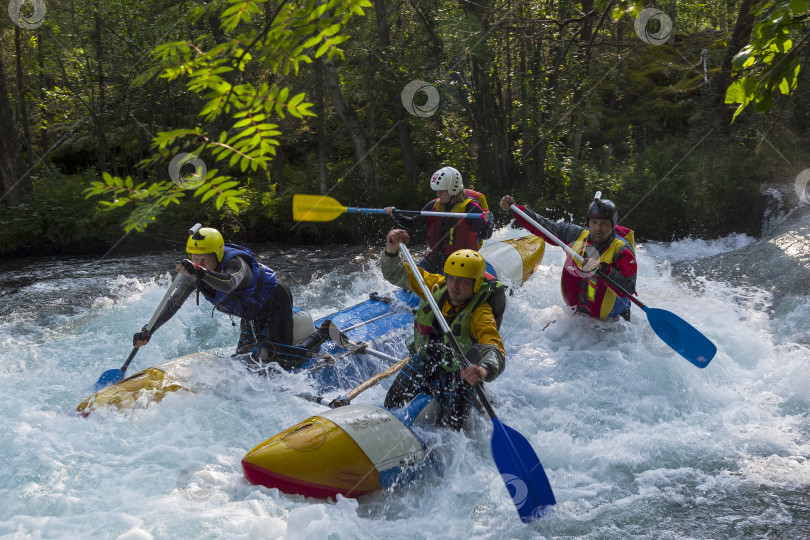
(636, 441)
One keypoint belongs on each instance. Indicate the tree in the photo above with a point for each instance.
(293, 35)
(11, 161)
(771, 61)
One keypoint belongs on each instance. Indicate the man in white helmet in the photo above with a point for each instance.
(445, 235)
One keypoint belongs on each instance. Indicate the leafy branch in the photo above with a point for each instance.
(771, 61)
(298, 33)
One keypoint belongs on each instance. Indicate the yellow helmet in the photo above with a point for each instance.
(206, 240)
(466, 263)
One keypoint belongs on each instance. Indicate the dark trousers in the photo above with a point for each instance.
(272, 331)
(421, 375)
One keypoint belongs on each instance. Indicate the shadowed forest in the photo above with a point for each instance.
(138, 119)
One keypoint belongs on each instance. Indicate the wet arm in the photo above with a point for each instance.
(396, 271)
(567, 232)
(483, 328)
(236, 275)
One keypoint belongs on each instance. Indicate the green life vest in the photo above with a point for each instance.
(492, 291)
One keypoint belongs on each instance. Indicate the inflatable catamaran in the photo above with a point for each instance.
(358, 449)
(371, 321)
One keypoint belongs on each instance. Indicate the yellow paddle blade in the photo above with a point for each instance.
(316, 208)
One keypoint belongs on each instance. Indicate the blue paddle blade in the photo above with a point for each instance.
(681, 336)
(521, 471)
(109, 377)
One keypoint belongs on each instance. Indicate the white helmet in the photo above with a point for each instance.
(447, 178)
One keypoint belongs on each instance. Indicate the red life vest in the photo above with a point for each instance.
(457, 233)
(594, 295)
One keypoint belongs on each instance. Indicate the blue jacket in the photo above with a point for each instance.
(250, 302)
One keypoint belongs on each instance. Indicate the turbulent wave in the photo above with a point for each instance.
(637, 442)
(778, 263)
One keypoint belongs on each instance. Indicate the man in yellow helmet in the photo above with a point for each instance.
(230, 277)
(463, 298)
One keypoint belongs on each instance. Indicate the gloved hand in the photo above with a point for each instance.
(192, 269)
(590, 266)
(143, 336)
(474, 374)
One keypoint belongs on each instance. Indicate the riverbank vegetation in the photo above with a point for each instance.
(549, 101)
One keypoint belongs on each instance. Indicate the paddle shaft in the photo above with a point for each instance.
(445, 327)
(132, 354)
(577, 257)
(355, 210)
(324, 208)
(153, 320)
(354, 392)
(361, 348)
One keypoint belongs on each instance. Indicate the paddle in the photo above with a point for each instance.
(515, 458)
(324, 208)
(681, 336)
(336, 335)
(361, 348)
(113, 376)
(347, 398)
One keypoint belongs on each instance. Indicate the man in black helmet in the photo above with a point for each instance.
(604, 245)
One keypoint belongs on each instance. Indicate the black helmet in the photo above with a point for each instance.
(603, 209)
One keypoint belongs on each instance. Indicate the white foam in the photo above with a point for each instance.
(635, 440)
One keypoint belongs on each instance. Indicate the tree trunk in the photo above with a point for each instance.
(493, 158)
(21, 96)
(323, 178)
(100, 107)
(11, 162)
(742, 31)
(392, 86)
(350, 118)
(43, 130)
(585, 36)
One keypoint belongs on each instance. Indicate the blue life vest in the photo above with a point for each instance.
(245, 303)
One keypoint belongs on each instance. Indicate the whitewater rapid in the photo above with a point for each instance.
(636, 441)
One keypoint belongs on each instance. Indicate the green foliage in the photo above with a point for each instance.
(622, 8)
(150, 199)
(56, 219)
(715, 187)
(527, 107)
(278, 48)
(771, 61)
